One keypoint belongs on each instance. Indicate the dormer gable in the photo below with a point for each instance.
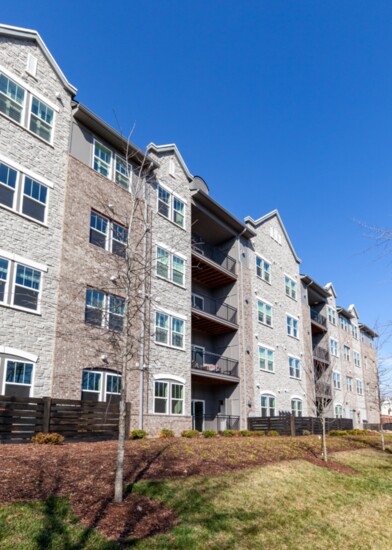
(170, 149)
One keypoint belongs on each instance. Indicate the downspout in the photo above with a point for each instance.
(243, 327)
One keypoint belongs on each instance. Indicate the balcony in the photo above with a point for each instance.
(319, 322)
(213, 316)
(323, 390)
(211, 266)
(321, 354)
(218, 423)
(213, 365)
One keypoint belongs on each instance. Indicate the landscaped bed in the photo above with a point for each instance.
(84, 473)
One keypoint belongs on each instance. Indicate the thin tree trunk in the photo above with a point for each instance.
(324, 436)
(382, 437)
(119, 480)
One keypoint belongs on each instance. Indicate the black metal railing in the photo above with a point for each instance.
(318, 318)
(213, 362)
(323, 389)
(218, 308)
(215, 254)
(321, 353)
(219, 422)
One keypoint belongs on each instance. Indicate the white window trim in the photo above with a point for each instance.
(337, 347)
(272, 312)
(109, 235)
(295, 319)
(269, 348)
(22, 260)
(19, 354)
(13, 285)
(356, 387)
(340, 381)
(171, 253)
(112, 166)
(290, 356)
(30, 89)
(7, 359)
(296, 287)
(264, 259)
(169, 379)
(171, 208)
(170, 330)
(26, 171)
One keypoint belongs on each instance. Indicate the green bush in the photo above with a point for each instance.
(209, 433)
(138, 434)
(166, 433)
(48, 439)
(190, 433)
(357, 432)
(229, 433)
(246, 433)
(273, 433)
(258, 433)
(337, 433)
(305, 432)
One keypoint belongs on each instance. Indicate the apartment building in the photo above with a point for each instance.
(224, 325)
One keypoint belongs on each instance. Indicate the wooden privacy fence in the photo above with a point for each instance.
(23, 417)
(295, 425)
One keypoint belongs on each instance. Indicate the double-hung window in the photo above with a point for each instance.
(331, 315)
(27, 287)
(171, 207)
(264, 313)
(354, 330)
(333, 346)
(338, 411)
(359, 387)
(292, 326)
(263, 269)
(102, 159)
(294, 367)
(344, 323)
(111, 166)
(266, 359)
(169, 330)
(104, 310)
(170, 266)
(18, 378)
(296, 407)
(337, 380)
(290, 287)
(357, 359)
(100, 385)
(168, 397)
(267, 405)
(346, 353)
(122, 172)
(12, 99)
(3, 278)
(108, 234)
(349, 383)
(41, 119)
(23, 194)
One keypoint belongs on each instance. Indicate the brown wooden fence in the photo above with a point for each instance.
(23, 417)
(294, 425)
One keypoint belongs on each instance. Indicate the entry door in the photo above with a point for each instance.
(198, 414)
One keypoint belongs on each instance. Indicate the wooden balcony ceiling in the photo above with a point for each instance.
(205, 322)
(207, 272)
(317, 328)
(212, 378)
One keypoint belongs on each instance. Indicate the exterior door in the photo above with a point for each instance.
(198, 414)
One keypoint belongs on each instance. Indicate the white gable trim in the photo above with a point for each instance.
(170, 148)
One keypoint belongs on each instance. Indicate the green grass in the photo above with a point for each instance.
(282, 506)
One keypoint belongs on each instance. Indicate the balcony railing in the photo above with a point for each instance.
(219, 423)
(214, 363)
(321, 354)
(215, 254)
(214, 307)
(318, 318)
(323, 389)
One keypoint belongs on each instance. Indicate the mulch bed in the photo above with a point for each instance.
(84, 472)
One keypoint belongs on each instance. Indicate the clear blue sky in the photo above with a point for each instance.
(276, 104)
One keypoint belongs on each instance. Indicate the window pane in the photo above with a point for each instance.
(102, 159)
(91, 381)
(3, 277)
(27, 285)
(41, 120)
(19, 373)
(178, 212)
(116, 313)
(11, 98)
(163, 202)
(120, 236)
(162, 328)
(94, 307)
(163, 260)
(7, 185)
(123, 172)
(178, 270)
(113, 383)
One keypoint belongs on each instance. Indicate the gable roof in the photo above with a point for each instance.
(30, 34)
(368, 330)
(331, 288)
(267, 217)
(170, 148)
(353, 310)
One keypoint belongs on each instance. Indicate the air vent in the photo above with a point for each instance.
(31, 65)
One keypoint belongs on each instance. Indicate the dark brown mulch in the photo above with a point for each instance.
(334, 466)
(84, 472)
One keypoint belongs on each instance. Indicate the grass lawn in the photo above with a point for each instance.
(284, 505)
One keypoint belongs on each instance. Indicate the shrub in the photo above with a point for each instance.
(258, 433)
(337, 433)
(190, 433)
(166, 433)
(229, 433)
(209, 433)
(246, 433)
(48, 439)
(273, 433)
(357, 432)
(138, 434)
(305, 432)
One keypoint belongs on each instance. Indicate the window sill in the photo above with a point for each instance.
(294, 337)
(295, 378)
(168, 347)
(265, 324)
(171, 282)
(268, 371)
(291, 298)
(170, 415)
(50, 144)
(264, 281)
(25, 309)
(171, 221)
(24, 216)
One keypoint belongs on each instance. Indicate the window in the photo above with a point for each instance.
(171, 207)
(338, 411)
(354, 331)
(22, 193)
(264, 313)
(349, 383)
(291, 287)
(169, 330)
(108, 234)
(266, 359)
(3, 278)
(168, 398)
(18, 378)
(101, 386)
(333, 345)
(267, 405)
(13, 100)
(292, 326)
(337, 380)
(170, 266)
(357, 359)
(27, 287)
(294, 367)
(111, 166)
(296, 407)
(359, 387)
(331, 315)
(263, 269)
(104, 310)
(197, 301)
(344, 323)
(346, 353)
